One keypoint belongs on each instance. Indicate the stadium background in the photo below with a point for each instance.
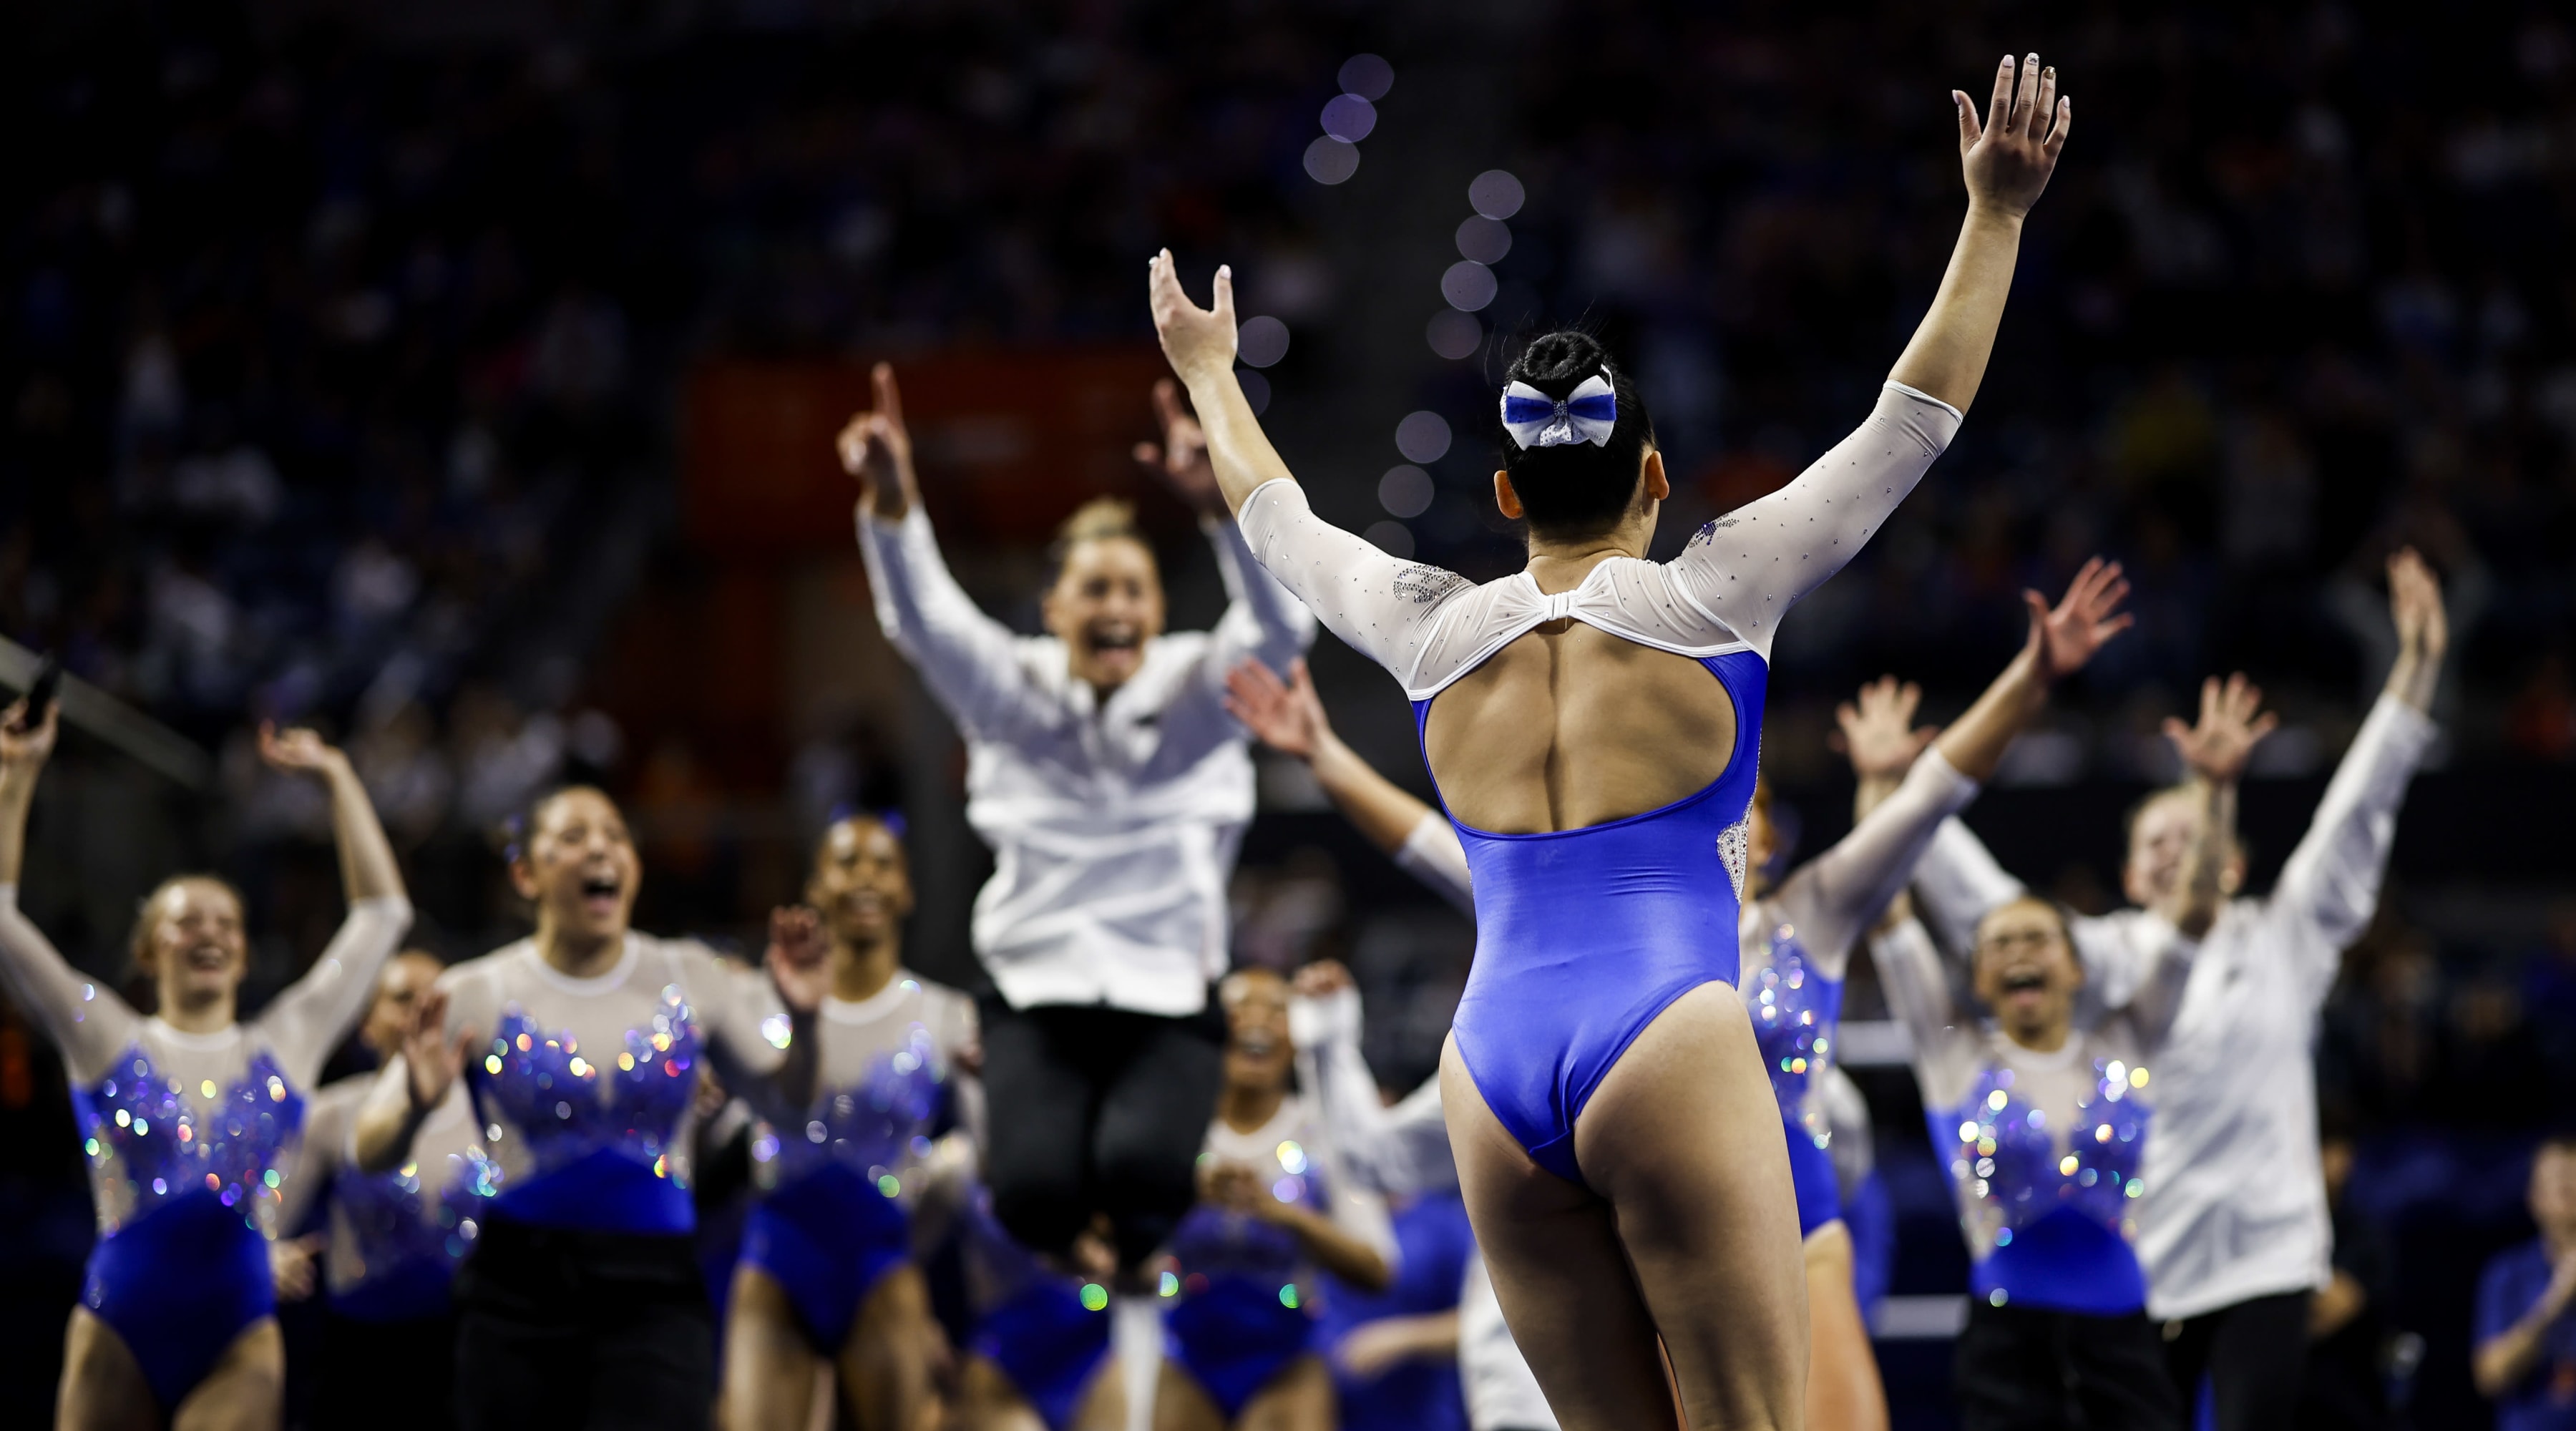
(458, 377)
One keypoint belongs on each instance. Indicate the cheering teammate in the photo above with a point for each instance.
(1592, 724)
(1113, 788)
(827, 1273)
(190, 1118)
(582, 1303)
(2233, 1227)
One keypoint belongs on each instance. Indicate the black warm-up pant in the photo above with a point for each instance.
(586, 1331)
(2255, 1354)
(2022, 1369)
(1097, 1110)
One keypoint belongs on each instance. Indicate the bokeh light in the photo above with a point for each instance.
(1367, 76)
(1261, 341)
(1405, 491)
(1393, 538)
(1349, 117)
(1422, 437)
(1495, 194)
(1330, 160)
(1468, 285)
(1484, 240)
(1453, 334)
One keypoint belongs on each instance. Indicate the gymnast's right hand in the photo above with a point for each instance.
(1286, 716)
(876, 448)
(2007, 159)
(1197, 342)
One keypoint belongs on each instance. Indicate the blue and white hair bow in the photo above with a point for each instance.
(1586, 414)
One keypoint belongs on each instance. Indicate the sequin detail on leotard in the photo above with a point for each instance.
(879, 1125)
(550, 1090)
(1795, 1012)
(143, 1132)
(2061, 1219)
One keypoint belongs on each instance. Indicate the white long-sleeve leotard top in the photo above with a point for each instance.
(165, 1112)
(2235, 1204)
(1114, 823)
(1727, 591)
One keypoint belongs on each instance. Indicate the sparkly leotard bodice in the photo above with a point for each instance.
(584, 1087)
(2050, 1198)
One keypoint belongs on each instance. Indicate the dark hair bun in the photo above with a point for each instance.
(1577, 490)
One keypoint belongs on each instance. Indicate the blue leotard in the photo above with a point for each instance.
(187, 1268)
(1584, 936)
(1434, 1244)
(191, 1138)
(396, 1238)
(1049, 1333)
(2061, 1212)
(835, 1222)
(1796, 1009)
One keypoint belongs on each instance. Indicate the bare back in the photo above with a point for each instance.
(1569, 726)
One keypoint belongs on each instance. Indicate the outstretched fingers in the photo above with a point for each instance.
(2026, 98)
(1999, 108)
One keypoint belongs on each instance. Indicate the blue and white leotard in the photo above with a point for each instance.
(1244, 1300)
(1584, 936)
(583, 1086)
(191, 1138)
(1046, 1331)
(394, 1239)
(831, 1221)
(2043, 1147)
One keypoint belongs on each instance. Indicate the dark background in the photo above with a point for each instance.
(369, 364)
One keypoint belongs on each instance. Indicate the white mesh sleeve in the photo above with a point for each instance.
(1431, 853)
(1834, 898)
(1389, 610)
(1747, 568)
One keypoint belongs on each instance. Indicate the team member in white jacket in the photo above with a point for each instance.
(2233, 1228)
(1113, 786)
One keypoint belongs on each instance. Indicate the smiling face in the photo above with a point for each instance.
(2160, 836)
(579, 867)
(1105, 605)
(1257, 1050)
(861, 883)
(191, 942)
(2026, 972)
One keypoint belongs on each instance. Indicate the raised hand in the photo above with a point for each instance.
(1197, 342)
(2008, 157)
(1289, 717)
(1181, 460)
(24, 750)
(1876, 732)
(1321, 979)
(2415, 604)
(2083, 622)
(299, 750)
(2232, 719)
(433, 1061)
(876, 448)
(799, 957)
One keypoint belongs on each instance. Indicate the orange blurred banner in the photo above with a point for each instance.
(1008, 442)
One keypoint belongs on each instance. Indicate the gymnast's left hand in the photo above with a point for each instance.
(2008, 156)
(1197, 342)
(299, 749)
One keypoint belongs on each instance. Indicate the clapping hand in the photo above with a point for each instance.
(1180, 461)
(799, 957)
(1286, 716)
(2083, 622)
(2232, 719)
(2008, 157)
(1877, 731)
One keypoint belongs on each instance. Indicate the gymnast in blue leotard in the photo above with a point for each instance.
(1795, 935)
(1592, 724)
(190, 1119)
(828, 1274)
